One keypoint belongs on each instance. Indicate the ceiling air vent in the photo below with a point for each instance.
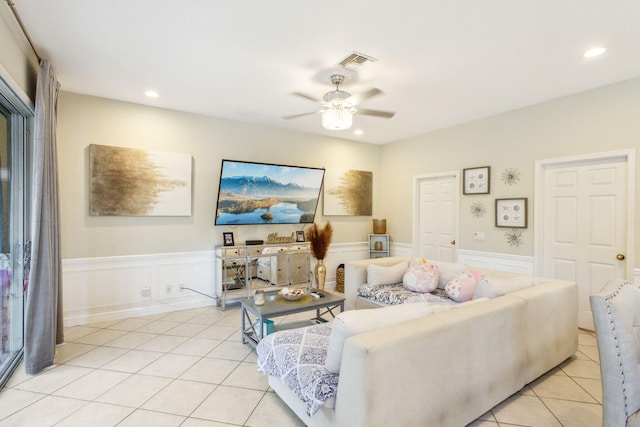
(356, 60)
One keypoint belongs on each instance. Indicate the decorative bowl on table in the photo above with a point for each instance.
(292, 294)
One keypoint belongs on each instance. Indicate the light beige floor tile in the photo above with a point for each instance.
(180, 316)
(587, 339)
(142, 418)
(483, 423)
(209, 370)
(19, 376)
(158, 327)
(170, 365)
(45, 412)
(195, 422)
(487, 416)
(70, 350)
(581, 368)
(162, 343)
(186, 329)
(229, 405)
(101, 337)
(561, 387)
(575, 414)
(208, 318)
(53, 379)
(133, 361)
(12, 400)
(251, 357)
(96, 415)
(591, 352)
(232, 319)
(105, 324)
(219, 332)
(272, 411)
(130, 324)
(232, 350)
(524, 410)
(131, 340)
(196, 346)
(180, 397)
(74, 333)
(134, 391)
(92, 385)
(97, 357)
(593, 387)
(246, 375)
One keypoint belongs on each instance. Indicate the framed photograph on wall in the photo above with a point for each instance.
(300, 236)
(228, 238)
(511, 213)
(476, 180)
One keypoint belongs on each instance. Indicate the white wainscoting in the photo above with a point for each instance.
(108, 288)
(636, 277)
(497, 261)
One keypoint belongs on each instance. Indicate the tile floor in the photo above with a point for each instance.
(188, 368)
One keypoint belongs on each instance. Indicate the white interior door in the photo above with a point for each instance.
(436, 217)
(585, 226)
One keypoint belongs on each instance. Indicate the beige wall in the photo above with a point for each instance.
(84, 120)
(600, 120)
(18, 60)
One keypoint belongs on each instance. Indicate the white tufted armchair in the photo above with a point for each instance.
(616, 316)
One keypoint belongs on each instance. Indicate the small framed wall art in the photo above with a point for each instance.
(476, 180)
(511, 213)
(228, 238)
(299, 236)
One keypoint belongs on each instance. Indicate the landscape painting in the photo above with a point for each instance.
(263, 193)
(348, 192)
(134, 182)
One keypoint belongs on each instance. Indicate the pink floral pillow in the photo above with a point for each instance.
(462, 286)
(421, 278)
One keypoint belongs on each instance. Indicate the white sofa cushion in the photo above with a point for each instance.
(355, 322)
(495, 285)
(381, 275)
(446, 270)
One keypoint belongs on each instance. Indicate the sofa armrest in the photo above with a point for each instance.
(355, 274)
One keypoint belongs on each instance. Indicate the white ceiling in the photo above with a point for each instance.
(440, 62)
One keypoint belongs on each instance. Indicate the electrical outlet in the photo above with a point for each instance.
(146, 291)
(478, 235)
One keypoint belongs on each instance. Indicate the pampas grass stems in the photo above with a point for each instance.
(320, 239)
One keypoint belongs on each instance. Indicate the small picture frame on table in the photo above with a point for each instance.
(511, 213)
(300, 236)
(476, 180)
(228, 238)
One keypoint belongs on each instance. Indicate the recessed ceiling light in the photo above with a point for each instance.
(152, 94)
(358, 132)
(593, 52)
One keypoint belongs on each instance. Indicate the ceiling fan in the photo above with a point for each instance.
(338, 106)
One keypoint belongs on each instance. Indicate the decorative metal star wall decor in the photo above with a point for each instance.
(477, 209)
(514, 238)
(510, 176)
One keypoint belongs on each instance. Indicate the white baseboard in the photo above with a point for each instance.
(497, 261)
(108, 288)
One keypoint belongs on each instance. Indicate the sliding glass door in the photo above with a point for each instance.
(14, 118)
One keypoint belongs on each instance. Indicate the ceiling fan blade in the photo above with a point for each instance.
(295, 116)
(358, 99)
(305, 96)
(376, 113)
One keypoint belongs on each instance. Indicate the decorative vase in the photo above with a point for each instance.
(379, 226)
(377, 246)
(320, 273)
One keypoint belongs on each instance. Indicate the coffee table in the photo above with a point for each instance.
(253, 316)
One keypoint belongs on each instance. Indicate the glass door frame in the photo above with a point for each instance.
(20, 111)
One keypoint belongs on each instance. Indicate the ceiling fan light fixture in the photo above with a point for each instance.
(337, 118)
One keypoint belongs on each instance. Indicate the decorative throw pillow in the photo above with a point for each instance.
(447, 271)
(380, 275)
(421, 278)
(461, 287)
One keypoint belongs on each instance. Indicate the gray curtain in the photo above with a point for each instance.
(43, 312)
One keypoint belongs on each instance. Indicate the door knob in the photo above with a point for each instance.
(453, 242)
(620, 257)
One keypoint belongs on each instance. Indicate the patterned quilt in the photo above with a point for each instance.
(297, 357)
(398, 294)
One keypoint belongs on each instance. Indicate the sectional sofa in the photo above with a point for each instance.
(408, 365)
